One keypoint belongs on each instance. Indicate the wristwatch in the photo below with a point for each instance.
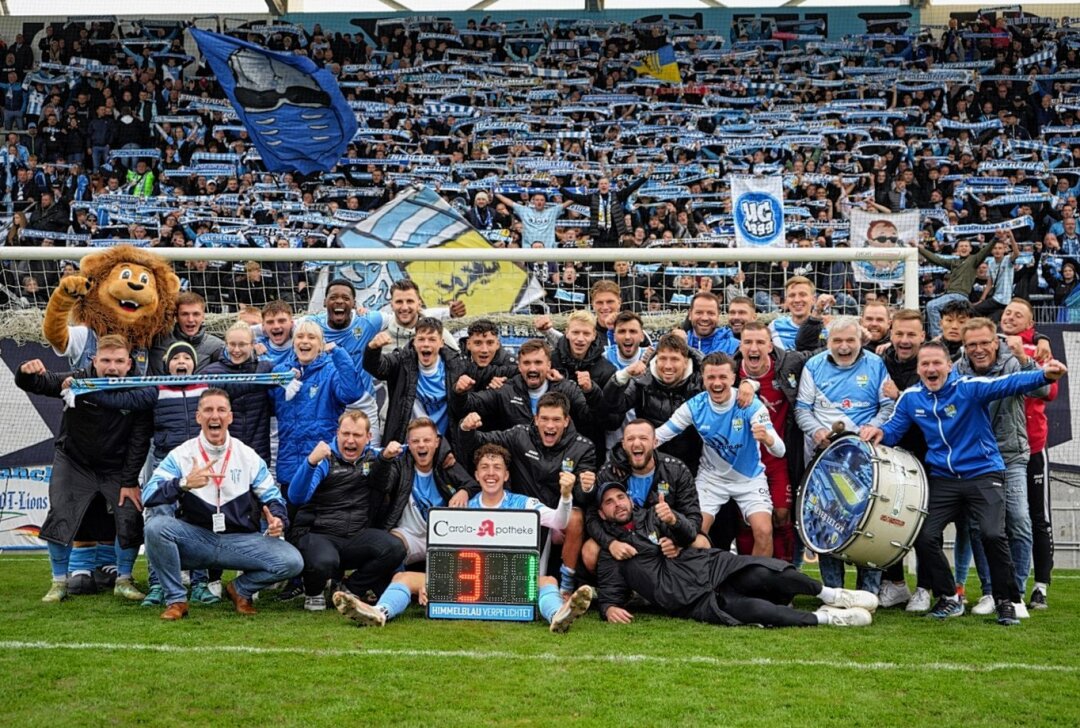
(183, 483)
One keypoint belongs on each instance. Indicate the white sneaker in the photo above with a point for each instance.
(1021, 610)
(984, 606)
(851, 617)
(316, 603)
(893, 595)
(360, 612)
(572, 608)
(215, 588)
(185, 578)
(920, 601)
(849, 599)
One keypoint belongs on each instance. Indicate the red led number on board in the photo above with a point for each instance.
(469, 574)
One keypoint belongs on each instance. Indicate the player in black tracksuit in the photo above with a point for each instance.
(708, 585)
(599, 370)
(545, 452)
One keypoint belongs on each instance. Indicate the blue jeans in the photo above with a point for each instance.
(172, 544)
(99, 156)
(832, 574)
(933, 311)
(965, 547)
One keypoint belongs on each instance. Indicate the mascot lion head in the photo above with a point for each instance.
(133, 293)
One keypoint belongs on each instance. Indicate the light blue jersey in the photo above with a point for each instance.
(354, 338)
(784, 332)
(538, 227)
(611, 353)
(852, 395)
(731, 454)
(549, 517)
(722, 340)
(431, 396)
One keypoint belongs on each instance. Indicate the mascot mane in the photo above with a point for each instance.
(96, 313)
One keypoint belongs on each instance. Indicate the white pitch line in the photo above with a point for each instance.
(543, 657)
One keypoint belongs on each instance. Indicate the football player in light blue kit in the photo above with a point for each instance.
(844, 384)
(731, 467)
(493, 473)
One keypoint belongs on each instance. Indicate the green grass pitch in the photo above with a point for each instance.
(98, 661)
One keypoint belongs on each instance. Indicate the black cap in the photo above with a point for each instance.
(605, 487)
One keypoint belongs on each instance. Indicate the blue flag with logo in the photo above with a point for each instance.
(293, 110)
(757, 206)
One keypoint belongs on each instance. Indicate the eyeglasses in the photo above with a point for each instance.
(885, 239)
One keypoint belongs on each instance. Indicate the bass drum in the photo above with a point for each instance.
(862, 503)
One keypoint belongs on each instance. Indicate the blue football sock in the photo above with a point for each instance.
(394, 600)
(549, 601)
(59, 556)
(125, 560)
(83, 559)
(567, 579)
(106, 555)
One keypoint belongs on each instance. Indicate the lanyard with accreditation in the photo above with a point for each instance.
(219, 517)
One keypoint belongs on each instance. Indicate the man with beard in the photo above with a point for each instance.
(653, 390)
(731, 467)
(844, 384)
(550, 453)
(408, 309)
(776, 374)
(650, 479)
(707, 585)
(705, 333)
(516, 401)
(190, 327)
(629, 339)
(906, 336)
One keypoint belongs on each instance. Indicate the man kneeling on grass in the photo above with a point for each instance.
(708, 585)
(493, 473)
(216, 479)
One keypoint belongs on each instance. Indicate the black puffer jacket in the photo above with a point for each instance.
(401, 371)
(534, 469)
(395, 477)
(656, 402)
(600, 371)
(670, 476)
(343, 499)
(251, 408)
(510, 405)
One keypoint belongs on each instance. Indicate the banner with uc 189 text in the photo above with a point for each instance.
(758, 209)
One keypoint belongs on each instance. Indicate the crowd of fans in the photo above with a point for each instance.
(120, 132)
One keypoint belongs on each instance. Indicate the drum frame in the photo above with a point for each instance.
(919, 511)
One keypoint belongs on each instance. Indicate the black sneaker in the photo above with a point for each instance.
(80, 584)
(104, 579)
(292, 590)
(946, 608)
(1006, 613)
(1038, 600)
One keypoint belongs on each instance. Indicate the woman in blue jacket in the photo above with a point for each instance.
(308, 408)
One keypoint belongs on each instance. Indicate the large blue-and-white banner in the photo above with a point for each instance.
(758, 209)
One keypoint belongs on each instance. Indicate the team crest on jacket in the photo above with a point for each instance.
(737, 424)
(365, 469)
(862, 380)
(357, 332)
(950, 410)
(792, 381)
(664, 487)
(313, 391)
(568, 465)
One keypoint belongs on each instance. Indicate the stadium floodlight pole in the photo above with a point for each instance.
(910, 256)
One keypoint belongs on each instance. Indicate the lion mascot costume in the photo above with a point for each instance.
(130, 292)
(122, 290)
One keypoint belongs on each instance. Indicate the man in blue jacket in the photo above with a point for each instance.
(966, 468)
